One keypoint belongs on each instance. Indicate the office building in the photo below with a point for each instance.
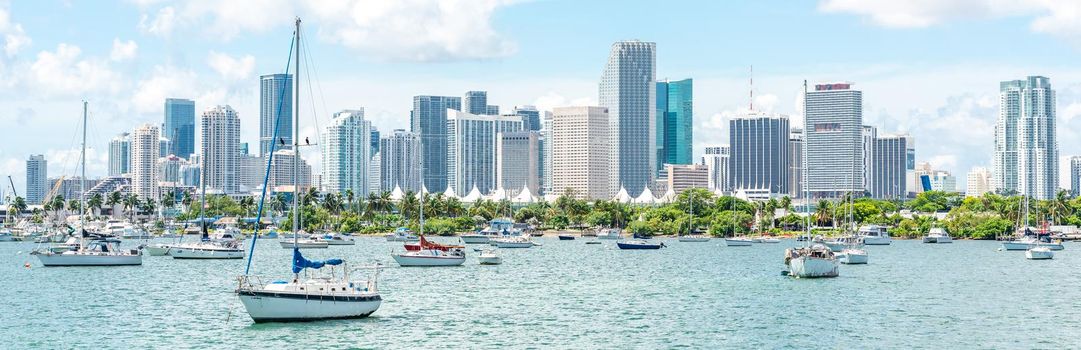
(220, 149)
(179, 126)
(475, 102)
(628, 90)
(120, 155)
(145, 151)
(580, 152)
(980, 182)
(759, 154)
(1075, 176)
(471, 142)
(546, 153)
(399, 156)
(531, 120)
(717, 160)
(833, 140)
(683, 177)
(37, 172)
(868, 135)
(281, 172)
(675, 122)
(375, 170)
(428, 120)
(795, 161)
(169, 170)
(275, 111)
(1026, 151)
(517, 161)
(889, 156)
(252, 172)
(346, 153)
(373, 146)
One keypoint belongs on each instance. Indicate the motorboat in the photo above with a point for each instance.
(310, 296)
(226, 234)
(206, 250)
(566, 237)
(94, 250)
(489, 257)
(336, 239)
(694, 238)
(500, 227)
(838, 244)
(125, 230)
(158, 249)
(852, 256)
(430, 257)
(475, 238)
(738, 242)
(1039, 252)
(875, 235)
(513, 242)
(937, 235)
(811, 262)
(609, 233)
(639, 244)
(303, 243)
(402, 234)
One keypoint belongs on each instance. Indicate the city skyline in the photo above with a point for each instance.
(129, 69)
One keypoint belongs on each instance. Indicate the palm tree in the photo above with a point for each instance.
(74, 206)
(94, 203)
(131, 204)
(824, 212)
(115, 198)
(349, 197)
(58, 203)
(786, 204)
(19, 204)
(248, 205)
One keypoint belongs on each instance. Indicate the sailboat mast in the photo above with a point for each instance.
(82, 179)
(806, 170)
(296, 134)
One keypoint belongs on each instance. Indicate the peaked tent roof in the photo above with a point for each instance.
(668, 196)
(646, 197)
(499, 194)
(622, 196)
(449, 193)
(397, 194)
(525, 196)
(473, 196)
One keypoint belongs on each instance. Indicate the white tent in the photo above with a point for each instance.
(741, 194)
(397, 194)
(423, 190)
(646, 197)
(473, 195)
(499, 194)
(449, 193)
(525, 197)
(551, 197)
(622, 196)
(668, 197)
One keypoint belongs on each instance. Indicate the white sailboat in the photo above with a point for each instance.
(812, 260)
(94, 249)
(692, 236)
(309, 295)
(226, 247)
(853, 252)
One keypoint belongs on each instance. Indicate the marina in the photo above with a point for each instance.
(707, 294)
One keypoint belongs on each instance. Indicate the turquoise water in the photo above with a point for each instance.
(566, 294)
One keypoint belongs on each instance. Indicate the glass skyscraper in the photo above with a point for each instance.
(1026, 151)
(428, 120)
(275, 104)
(530, 117)
(833, 140)
(476, 102)
(758, 159)
(628, 90)
(179, 127)
(675, 122)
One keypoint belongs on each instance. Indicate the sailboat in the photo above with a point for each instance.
(427, 253)
(811, 260)
(205, 248)
(309, 295)
(94, 249)
(692, 235)
(853, 252)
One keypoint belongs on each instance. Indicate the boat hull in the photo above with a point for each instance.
(197, 253)
(852, 258)
(157, 250)
(835, 246)
(409, 261)
(877, 240)
(490, 260)
(1012, 245)
(89, 260)
(514, 244)
(694, 239)
(304, 245)
(737, 242)
(633, 246)
(1039, 254)
(340, 242)
(288, 307)
(474, 239)
(811, 267)
(566, 238)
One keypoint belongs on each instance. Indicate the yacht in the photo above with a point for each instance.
(852, 256)
(639, 244)
(875, 235)
(694, 238)
(1029, 239)
(337, 239)
(609, 233)
(158, 249)
(207, 250)
(431, 254)
(740, 241)
(1039, 252)
(501, 227)
(513, 242)
(811, 262)
(303, 243)
(489, 257)
(402, 234)
(125, 230)
(937, 235)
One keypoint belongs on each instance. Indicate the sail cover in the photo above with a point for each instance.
(300, 263)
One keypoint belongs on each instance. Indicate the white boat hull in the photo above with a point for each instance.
(89, 260)
(852, 257)
(157, 250)
(287, 307)
(410, 260)
(734, 242)
(474, 239)
(877, 240)
(341, 242)
(304, 245)
(490, 260)
(514, 244)
(835, 246)
(1017, 245)
(809, 267)
(694, 239)
(200, 253)
(1039, 254)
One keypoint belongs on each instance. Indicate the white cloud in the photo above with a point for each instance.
(230, 68)
(64, 72)
(164, 81)
(553, 99)
(162, 24)
(15, 39)
(123, 50)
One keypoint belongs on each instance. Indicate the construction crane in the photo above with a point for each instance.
(52, 192)
(16, 192)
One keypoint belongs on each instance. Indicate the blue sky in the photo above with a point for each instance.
(928, 68)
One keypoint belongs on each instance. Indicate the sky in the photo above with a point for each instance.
(929, 68)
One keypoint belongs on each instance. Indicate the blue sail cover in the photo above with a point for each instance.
(300, 263)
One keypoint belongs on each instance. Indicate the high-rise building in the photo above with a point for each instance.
(373, 145)
(164, 145)
(628, 90)
(580, 152)
(120, 155)
(833, 140)
(675, 122)
(717, 160)
(979, 183)
(546, 153)
(169, 169)
(795, 161)
(428, 121)
(516, 161)
(252, 172)
(37, 171)
(759, 154)
(145, 151)
(1075, 176)
(531, 120)
(1026, 151)
(281, 172)
(375, 170)
(346, 153)
(910, 168)
(220, 149)
(890, 166)
(937, 180)
(275, 110)
(475, 102)
(683, 177)
(471, 142)
(868, 135)
(400, 162)
(180, 126)
(491, 110)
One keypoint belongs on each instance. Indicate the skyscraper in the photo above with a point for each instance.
(428, 121)
(179, 126)
(399, 155)
(628, 91)
(683, 177)
(546, 153)
(281, 172)
(346, 153)
(889, 156)
(220, 151)
(516, 161)
(795, 161)
(375, 170)
(675, 122)
(531, 120)
(580, 152)
(475, 102)
(717, 160)
(1026, 151)
(833, 139)
(145, 151)
(868, 135)
(1075, 176)
(759, 154)
(37, 170)
(275, 106)
(373, 146)
(471, 142)
(120, 154)
(979, 182)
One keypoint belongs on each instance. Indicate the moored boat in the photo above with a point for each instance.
(566, 237)
(513, 242)
(738, 242)
(811, 262)
(639, 244)
(489, 257)
(937, 235)
(1039, 253)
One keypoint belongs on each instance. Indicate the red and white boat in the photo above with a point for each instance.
(425, 253)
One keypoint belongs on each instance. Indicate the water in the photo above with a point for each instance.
(567, 294)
